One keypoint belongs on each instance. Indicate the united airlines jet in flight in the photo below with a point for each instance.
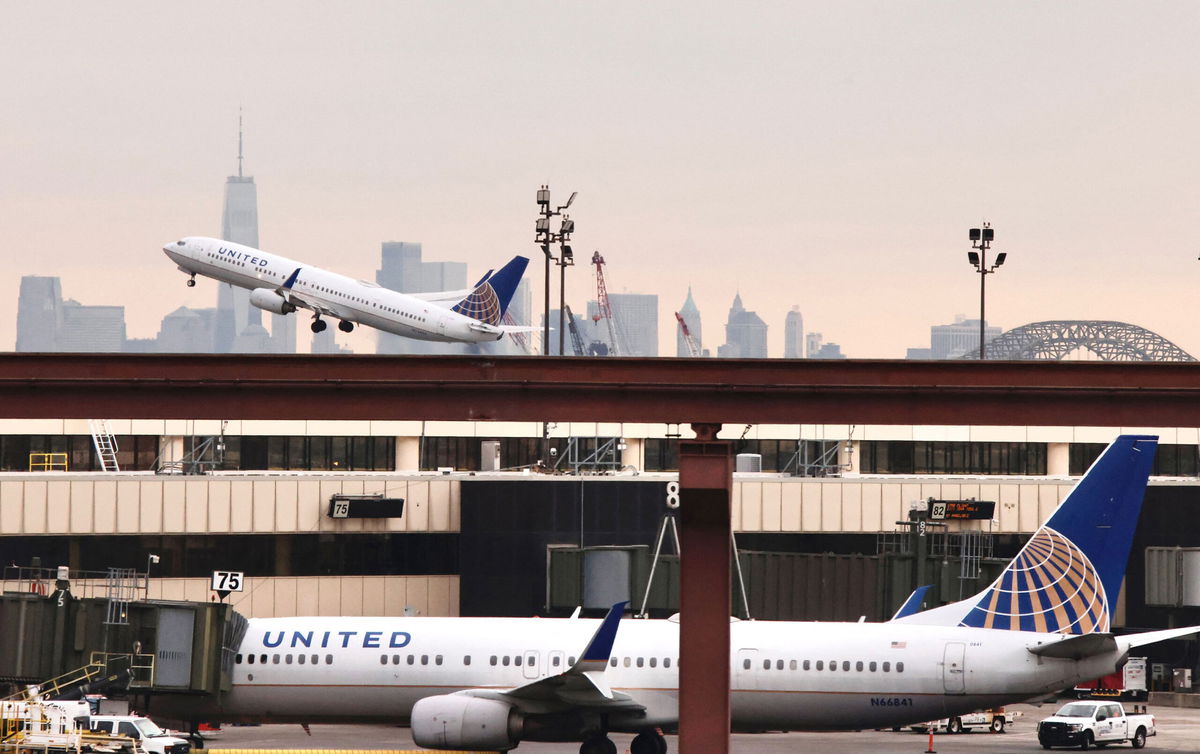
(281, 285)
(491, 683)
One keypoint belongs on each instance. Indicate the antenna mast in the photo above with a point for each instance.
(239, 142)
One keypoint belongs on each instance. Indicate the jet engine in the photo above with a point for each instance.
(271, 301)
(453, 721)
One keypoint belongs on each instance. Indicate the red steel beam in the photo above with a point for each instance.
(705, 489)
(154, 386)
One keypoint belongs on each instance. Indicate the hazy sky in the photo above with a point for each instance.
(830, 155)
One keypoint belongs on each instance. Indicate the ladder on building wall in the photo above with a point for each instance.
(105, 444)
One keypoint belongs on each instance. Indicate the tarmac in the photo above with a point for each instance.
(1178, 730)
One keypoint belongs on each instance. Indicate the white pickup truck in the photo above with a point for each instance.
(1090, 723)
(151, 738)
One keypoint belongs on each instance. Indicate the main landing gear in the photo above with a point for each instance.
(191, 283)
(345, 326)
(598, 745)
(318, 325)
(648, 742)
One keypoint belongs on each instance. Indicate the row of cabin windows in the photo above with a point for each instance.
(412, 659)
(642, 662)
(859, 666)
(286, 659)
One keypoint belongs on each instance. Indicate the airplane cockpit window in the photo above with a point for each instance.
(180, 243)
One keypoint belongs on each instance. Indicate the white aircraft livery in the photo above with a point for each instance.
(281, 285)
(490, 683)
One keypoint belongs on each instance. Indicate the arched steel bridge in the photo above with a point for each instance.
(1056, 340)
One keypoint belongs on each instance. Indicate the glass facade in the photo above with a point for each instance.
(909, 457)
(279, 453)
(134, 452)
(798, 457)
(1170, 460)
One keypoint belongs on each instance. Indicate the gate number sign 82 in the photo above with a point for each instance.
(227, 581)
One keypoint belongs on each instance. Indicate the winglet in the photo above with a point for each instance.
(287, 286)
(599, 649)
(913, 603)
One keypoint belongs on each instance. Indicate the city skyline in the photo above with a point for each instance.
(830, 156)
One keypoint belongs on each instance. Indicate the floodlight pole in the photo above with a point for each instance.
(981, 239)
(543, 237)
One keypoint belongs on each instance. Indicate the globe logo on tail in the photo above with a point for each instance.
(483, 304)
(1050, 587)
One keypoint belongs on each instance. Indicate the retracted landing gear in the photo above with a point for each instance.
(346, 326)
(191, 282)
(318, 325)
(648, 742)
(598, 745)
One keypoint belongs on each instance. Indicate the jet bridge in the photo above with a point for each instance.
(72, 633)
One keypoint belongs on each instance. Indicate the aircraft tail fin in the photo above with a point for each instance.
(491, 296)
(1067, 576)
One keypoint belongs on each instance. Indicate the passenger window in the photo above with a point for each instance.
(315, 659)
(807, 665)
(383, 659)
(395, 659)
(833, 664)
(612, 661)
(899, 667)
(746, 664)
(666, 662)
(766, 664)
(493, 660)
(873, 666)
(626, 662)
(467, 660)
(572, 661)
(517, 660)
(653, 662)
(127, 729)
(328, 659)
(106, 725)
(779, 664)
(424, 659)
(238, 659)
(792, 665)
(301, 658)
(846, 666)
(438, 660)
(555, 660)
(288, 659)
(820, 664)
(640, 662)
(887, 667)
(412, 659)
(858, 666)
(262, 659)
(504, 661)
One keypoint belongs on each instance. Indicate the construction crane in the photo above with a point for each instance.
(519, 338)
(576, 338)
(692, 345)
(604, 309)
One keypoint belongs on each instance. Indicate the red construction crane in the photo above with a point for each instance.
(604, 309)
(693, 346)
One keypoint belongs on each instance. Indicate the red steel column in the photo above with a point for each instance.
(705, 491)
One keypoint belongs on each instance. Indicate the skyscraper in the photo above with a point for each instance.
(812, 344)
(239, 223)
(636, 324)
(186, 331)
(745, 334)
(952, 341)
(793, 335)
(39, 313)
(402, 270)
(691, 315)
(96, 329)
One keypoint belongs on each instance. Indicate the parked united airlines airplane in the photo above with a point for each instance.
(282, 286)
(490, 683)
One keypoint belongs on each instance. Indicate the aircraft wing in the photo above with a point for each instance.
(444, 299)
(296, 300)
(581, 685)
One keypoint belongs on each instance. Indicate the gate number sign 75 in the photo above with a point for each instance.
(227, 581)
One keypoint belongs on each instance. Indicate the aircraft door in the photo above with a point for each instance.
(954, 668)
(745, 669)
(531, 664)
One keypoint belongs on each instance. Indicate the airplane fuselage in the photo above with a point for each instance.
(338, 296)
(784, 675)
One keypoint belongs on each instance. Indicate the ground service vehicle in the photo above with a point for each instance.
(1094, 723)
(151, 738)
(995, 720)
(1127, 684)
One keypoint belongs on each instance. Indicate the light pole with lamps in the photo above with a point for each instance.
(566, 258)
(981, 239)
(543, 237)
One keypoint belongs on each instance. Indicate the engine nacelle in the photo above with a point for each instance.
(453, 721)
(269, 300)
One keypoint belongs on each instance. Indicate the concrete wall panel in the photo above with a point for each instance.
(196, 517)
(12, 498)
(150, 503)
(81, 507)
(174, 506)
(772, 506)
(751, 506)
(104, 497)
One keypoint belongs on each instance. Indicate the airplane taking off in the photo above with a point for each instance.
(490, 683)
(282, 286)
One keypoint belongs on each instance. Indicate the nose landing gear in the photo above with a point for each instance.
(345, 326)
(191, 282)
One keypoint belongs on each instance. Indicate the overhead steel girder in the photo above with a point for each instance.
(777, 391)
